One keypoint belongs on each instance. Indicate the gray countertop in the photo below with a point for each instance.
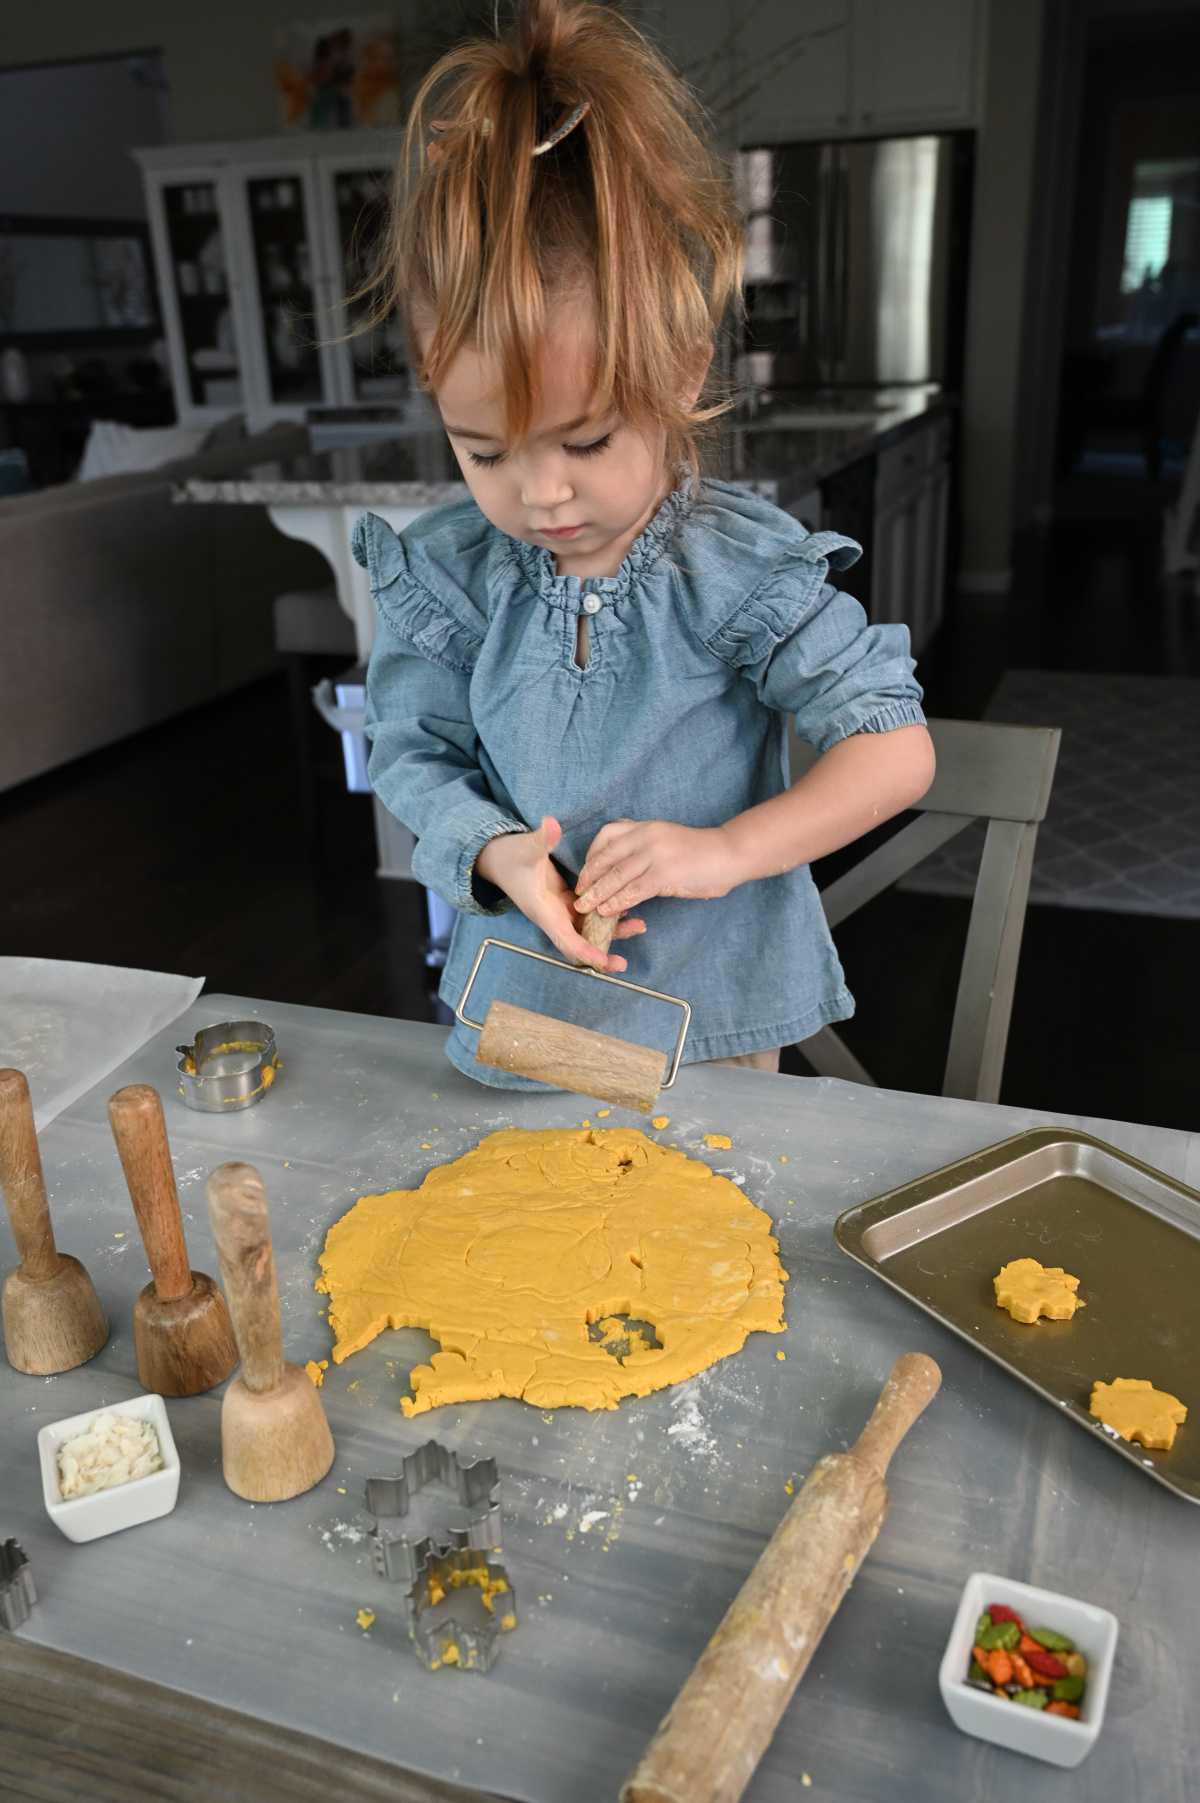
(767, 449)
(628, 1532)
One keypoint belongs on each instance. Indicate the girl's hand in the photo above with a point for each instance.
(629, 861)
(520, 864)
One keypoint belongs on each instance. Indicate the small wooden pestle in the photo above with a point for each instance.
(182, 1334)
(275, 1440)
(53, 1320)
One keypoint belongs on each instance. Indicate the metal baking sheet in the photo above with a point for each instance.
(1131, 1235)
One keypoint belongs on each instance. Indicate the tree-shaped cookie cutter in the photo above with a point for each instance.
(432, 1566)
(17, 1594)
(399, 1556)
(466, 1647)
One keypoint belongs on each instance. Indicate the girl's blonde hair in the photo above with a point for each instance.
(631, 208)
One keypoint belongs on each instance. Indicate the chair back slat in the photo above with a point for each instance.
(888, 863)
(1003, 774)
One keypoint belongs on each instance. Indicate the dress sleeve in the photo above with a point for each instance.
(423, 762)
(809, 650)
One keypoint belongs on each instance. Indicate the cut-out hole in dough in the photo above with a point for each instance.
(622, 1334)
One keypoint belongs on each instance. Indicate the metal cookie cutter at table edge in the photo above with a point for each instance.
(432, 1566)
(17, 1591)
(228, 1066)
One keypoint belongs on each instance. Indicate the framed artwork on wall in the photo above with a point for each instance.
(338, 73)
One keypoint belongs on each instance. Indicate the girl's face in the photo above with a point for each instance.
(583, 483)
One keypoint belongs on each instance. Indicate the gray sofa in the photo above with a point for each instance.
(119, 608)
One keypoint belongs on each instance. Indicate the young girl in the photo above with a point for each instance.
(579, 689)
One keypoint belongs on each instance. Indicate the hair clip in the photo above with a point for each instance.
(565, 125)
(439, 127)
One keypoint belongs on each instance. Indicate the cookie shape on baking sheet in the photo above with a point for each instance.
(1029, 1290)
(1133, 1408)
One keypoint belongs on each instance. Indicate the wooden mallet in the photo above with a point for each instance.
(182, 1334)
(275, 1440)
(721, 1723)
(53, 1320)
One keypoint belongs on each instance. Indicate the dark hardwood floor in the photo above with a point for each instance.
(185, 849)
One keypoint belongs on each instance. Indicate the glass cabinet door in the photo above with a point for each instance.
(373, 358)
(279, 222)
(200, 272)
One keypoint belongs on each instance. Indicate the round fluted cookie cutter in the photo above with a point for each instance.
(228, 1066)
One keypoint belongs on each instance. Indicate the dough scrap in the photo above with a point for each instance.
(507, 1255)
(1029, 1290)
(1133, 1408)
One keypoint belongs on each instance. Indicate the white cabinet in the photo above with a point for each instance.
(271, 211)
(793, 71)
(778, 71)
(258, 247)
(915, 64)
(199, 285)
(912, 489)
(353, 189)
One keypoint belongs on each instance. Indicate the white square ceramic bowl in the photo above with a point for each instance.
(125, 1505)
(1053, 1737)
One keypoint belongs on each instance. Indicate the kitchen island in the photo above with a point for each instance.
(784, 452)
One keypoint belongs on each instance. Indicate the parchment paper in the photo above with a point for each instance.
(66, 1025)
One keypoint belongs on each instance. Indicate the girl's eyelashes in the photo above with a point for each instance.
(589, 450)
(487, 462)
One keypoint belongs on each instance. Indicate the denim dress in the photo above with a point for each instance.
(719, 624)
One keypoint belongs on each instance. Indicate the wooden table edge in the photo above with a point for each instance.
(72, 1731)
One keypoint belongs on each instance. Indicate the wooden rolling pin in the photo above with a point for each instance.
(721, 1723)
(53, 1320)
(569, 1057)
(182, 1334)
(275, 1440)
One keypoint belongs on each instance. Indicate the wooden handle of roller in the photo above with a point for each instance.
(721, 1723)
(22, 1180)
(567, 1057)
(136, 1116)
(237, 1207)
(598, 930)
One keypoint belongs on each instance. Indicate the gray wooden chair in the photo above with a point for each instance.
(1001, 774)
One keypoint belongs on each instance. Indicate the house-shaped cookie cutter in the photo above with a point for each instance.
(228, 1066)
(17, 1593)
(395, 1553)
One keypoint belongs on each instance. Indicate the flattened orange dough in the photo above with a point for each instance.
(1137, 1411)
(509, 1253)
(1029, 1290)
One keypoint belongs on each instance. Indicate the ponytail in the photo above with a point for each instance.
(565, 157)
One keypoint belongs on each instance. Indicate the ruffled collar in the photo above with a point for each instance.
(537, 561)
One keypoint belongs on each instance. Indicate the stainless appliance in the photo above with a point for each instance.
(856, 259)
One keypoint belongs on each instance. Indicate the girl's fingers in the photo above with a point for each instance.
(574, 947)
(618, 876)
(601, 852)
(629, 928)
(549, 833)
(631, 896)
